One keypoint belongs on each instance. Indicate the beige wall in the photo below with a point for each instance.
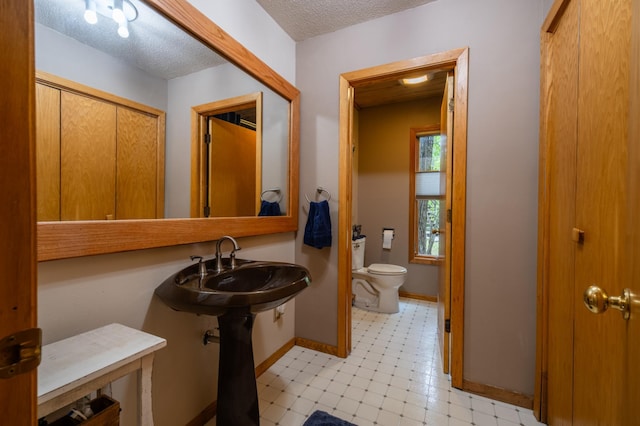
(502, 151)
(384, 179)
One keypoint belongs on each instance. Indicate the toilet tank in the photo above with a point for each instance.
(357, 253)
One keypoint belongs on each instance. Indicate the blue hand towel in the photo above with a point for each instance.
(268, 208)
(317, 232)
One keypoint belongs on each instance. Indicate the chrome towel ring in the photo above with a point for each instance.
(320, 191)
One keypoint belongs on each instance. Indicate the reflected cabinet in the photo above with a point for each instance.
(99, 157)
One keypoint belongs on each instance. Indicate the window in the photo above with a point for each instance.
(427, 194)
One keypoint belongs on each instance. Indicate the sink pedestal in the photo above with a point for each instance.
(237, 390)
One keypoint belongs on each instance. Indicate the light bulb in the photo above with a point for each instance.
(415, 80)
(118, 12)
(123, 29)
(90, 12)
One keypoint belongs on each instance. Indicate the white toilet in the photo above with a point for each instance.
(375, 288)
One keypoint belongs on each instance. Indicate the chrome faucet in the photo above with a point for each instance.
(232, 255)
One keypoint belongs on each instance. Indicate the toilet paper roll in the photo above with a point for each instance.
(387, 237)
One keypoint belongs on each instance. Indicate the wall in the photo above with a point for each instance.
(500, 282)
(76, 295)
(384, 179)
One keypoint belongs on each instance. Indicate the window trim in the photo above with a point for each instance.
(414, 257)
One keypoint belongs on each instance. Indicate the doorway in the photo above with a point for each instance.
(455, 61)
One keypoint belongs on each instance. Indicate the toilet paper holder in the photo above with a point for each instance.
(388, 234)
(393, 232)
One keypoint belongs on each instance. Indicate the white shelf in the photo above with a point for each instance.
(78, 365)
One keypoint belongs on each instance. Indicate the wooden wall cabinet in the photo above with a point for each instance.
(99, 157)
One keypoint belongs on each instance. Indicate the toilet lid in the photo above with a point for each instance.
(386, 269)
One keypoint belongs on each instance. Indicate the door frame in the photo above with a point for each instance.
(458, 61)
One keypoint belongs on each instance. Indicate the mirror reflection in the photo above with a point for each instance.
(122, 143)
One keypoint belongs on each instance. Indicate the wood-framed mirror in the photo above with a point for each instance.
(66, 239)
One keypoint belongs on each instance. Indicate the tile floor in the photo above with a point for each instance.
(393, 377)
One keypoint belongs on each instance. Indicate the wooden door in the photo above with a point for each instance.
(88, 164)
(590, 126)
(18, 210)
(232, 183)
(444, 241)
(600, 341)
(137, 166)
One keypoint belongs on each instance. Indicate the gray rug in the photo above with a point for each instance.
(321, 418)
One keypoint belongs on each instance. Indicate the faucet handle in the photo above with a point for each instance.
(202, 267)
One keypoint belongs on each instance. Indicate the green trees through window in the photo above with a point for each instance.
(427, 197)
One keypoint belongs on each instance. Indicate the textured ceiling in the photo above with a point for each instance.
(165, 51)
(303, 19)
(154, 45)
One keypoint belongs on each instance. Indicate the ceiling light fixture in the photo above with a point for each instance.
(118, 11)
(121, 11)
(123, 29)
(90, 14)
(414, 80)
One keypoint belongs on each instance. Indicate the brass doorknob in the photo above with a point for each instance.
(597, 301)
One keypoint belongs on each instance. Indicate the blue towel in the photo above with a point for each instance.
(321, 418)
(268, 208)
(317, 232)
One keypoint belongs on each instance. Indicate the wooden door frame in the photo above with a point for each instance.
(542, 309)
(457, 60)
(199, 114)
(18, 212)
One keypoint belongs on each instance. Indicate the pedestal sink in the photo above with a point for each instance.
(234, 295)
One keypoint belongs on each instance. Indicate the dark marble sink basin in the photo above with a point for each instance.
(253, 285)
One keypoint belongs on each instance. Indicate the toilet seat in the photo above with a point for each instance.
(386, 269)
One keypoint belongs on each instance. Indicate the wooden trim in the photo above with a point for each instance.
(197, 164)
(160, 155)
(457, 60)
(91, 92)
(458, 222)
(264, 365)
(205, 415)
(392, 71)
(344, 217)
(317, 346)
(413, 170)
(18, 288)
(540, 402)
(57, 240)
(427, 260)
(499, 394)
(555, 14)
(540, 387)
(194, 22)
(294, 158)
(417, 296)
